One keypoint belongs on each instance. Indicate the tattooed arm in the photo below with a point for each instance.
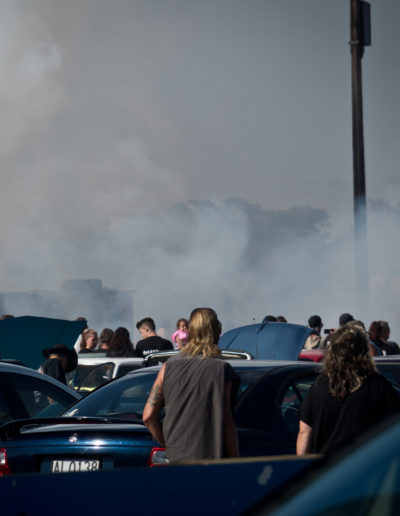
(153, 406)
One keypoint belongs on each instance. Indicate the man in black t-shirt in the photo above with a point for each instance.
(151, 342)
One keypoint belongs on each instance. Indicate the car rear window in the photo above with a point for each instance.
(247, 377)
(124, 398)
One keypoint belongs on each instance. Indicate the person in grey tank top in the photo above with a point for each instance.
(194, 388)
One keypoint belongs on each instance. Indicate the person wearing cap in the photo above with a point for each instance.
(314, 340)
(59, 360)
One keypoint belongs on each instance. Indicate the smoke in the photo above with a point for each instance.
(196, 153)
(30, 90)
(236, 257)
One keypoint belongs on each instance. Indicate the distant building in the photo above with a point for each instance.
(102, 307)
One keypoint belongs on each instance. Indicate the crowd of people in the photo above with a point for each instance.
(60, 359)
(348, 397)
(378, 335)
(118, 343)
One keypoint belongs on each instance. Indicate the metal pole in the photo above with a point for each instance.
(360, 209)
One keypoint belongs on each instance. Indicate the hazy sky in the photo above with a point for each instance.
(129, 126)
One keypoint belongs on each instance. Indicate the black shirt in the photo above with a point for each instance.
(152, 345)
(53, 367)
(336, 423)
(388, 347)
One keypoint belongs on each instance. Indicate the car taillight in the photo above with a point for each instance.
(157, 457)
(4, 469)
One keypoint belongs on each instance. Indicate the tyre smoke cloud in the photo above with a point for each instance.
(241, 259)
(198, 153)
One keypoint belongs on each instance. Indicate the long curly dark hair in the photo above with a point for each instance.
(120, 344)
(347, 361)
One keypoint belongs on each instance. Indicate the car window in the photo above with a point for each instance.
(5, 410)
(123, 369)
(75, 377)
(37, 395)
(99, 376)
(78, 376)
(291, 401)
(248, 378)
(124, 398)
(390, 372)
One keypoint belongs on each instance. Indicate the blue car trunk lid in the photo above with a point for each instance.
(34, 447)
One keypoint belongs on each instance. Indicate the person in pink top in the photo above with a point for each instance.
(180, 336)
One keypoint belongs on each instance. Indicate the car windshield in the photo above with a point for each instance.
(78, 376)
(126, 397)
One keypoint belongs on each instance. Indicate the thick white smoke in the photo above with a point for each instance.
(114, 116)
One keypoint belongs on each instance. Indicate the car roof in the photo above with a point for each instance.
(7, 367)
(27, 371)
(102, 359)
(248, 364)
(270, 364)
(388, 358)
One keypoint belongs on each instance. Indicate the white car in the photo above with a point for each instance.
(95, 369)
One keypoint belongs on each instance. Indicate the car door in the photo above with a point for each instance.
(267, 416)
(28, 396)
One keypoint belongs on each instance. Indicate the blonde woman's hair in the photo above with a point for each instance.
(347, 361)
(204, 332)
(85, 334)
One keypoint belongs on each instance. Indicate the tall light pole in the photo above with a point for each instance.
(359, 38)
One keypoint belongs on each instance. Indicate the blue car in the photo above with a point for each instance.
(363, 480)
(104, 430)
(25, 393)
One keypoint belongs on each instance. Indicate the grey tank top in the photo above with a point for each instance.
(193, 390)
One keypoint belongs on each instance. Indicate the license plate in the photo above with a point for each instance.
(72, 466)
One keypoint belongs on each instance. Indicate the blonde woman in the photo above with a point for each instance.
(194, 388)
(89, 341)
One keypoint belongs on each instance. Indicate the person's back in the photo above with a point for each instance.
(337, 423)
(59, 360)
(314, 340)
(152, 345)
(348, 398)
(53, 367)
(120, 344)
(195, 388)
(194, 399)
(151, 342)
